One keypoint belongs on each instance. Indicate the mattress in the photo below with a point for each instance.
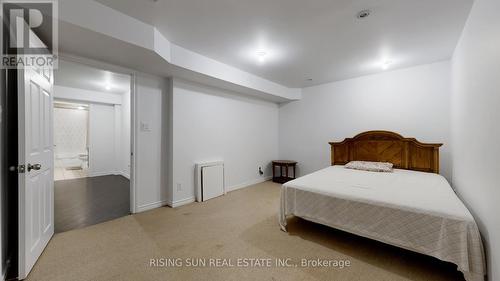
(412, 210)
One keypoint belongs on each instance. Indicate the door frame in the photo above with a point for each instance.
(12, 180)
(133, 114)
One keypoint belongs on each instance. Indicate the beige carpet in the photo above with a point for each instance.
(242, 224)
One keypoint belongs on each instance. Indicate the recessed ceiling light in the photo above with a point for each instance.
(261, 55)
(108, 87)
(386, 64)
(363, 14)
(81, 107)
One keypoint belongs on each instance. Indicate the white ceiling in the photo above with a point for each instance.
(318, 39)
(85, 77)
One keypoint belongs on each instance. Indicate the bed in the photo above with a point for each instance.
(412, 207)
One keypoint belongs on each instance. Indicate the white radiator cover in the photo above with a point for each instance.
(209, 180)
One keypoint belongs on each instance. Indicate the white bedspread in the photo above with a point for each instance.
(412, 210)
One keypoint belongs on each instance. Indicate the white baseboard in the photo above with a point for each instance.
(151, 206)
(248, 183)
(124, 175)
(100, 174)
(111, 173)
(190, 200)
(228, 189)
(181, 202)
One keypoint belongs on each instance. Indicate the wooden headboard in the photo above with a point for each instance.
(385, 146)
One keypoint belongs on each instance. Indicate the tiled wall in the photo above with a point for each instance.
(70, 131)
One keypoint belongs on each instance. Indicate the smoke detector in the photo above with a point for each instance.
(363, 14)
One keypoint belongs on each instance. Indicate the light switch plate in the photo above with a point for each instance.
(145, 127)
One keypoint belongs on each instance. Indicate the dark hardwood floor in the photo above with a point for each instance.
(87, 201)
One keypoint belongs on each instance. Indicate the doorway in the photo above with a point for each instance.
(92, 145)
(71, 149)
(84, 200)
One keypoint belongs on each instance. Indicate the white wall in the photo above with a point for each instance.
(150, 145)
(211, 124)
(475, 123)
(413, 102)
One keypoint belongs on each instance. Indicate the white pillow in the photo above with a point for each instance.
(370, 166)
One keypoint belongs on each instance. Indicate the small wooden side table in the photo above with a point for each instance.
(283, 164)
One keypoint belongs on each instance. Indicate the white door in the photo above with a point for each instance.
(102, 156)
(36, 183)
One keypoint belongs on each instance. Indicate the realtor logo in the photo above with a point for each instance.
(29, 33)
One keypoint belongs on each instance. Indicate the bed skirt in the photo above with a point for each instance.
(448, 239)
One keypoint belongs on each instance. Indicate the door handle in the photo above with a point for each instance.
(35, 167)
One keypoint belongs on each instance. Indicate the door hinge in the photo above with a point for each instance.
(20, 169)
